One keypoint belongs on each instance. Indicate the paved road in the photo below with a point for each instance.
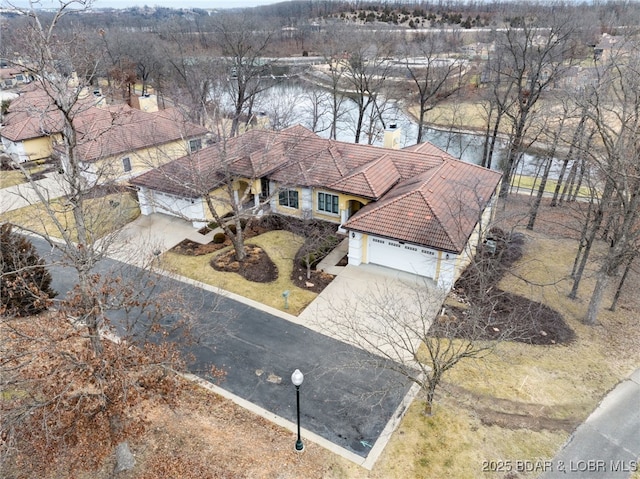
(342, 399)
(607, 444)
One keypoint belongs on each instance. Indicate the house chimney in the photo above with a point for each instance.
(146, 102)
(392, 137)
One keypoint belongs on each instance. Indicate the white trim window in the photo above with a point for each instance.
(288, 198)
(126, 164)
(328, 203)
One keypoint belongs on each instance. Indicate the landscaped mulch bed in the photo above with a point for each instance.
(256, 267)
(318, 281)
(487, 312)
(191, 248)
(262, 269)
(512, 318)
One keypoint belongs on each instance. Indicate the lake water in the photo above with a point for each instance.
(297, 102)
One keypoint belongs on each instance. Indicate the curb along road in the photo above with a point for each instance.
(607, 444)
(346, 400)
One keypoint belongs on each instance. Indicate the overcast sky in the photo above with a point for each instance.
(160, 3)
(182, 3)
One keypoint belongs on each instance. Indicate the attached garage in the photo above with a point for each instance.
(158, 202)
(402, 256)
(426, 224)
(173, 204)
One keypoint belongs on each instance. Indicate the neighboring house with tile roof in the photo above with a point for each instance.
(113, 141)
(30, 128)
(119, 142)
(417, 209)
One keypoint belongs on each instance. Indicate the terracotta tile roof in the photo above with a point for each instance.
(254, 154)
(20, 128)
(102, 131)
(296, 156)
(127, 129)
(424, 195)
(31, 115)
(430, 157)
(429, 149)
(438, 208)
(358, 169)
(191, 176)
(371, 180)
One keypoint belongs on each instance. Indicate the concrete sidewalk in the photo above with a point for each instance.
(330, 262)
(19, 196)
(141, 241)
(607, 444)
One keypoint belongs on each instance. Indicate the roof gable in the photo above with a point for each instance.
(371, 180)
(438, 208)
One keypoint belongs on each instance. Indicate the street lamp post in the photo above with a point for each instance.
(296, 378)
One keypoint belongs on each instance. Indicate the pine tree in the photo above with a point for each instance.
(25, 285)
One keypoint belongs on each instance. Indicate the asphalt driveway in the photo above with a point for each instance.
(346, 397)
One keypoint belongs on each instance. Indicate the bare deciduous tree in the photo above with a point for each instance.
(553, 133)
(244, 42)
(78, 376)
(528, 61)
(433, 75)
(614, 114)
(335, 56)
(365, 74)
(192, 75)
(405, 326)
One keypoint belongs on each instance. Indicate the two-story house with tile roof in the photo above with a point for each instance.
(417, 209)
(114, 142)
(117, 142)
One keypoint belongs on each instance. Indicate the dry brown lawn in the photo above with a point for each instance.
(103, 214)
(281, 246)
(518, 405)
(209, 437)
(521, 403)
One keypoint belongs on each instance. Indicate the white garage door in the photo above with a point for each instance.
(405, 257)
(177, 206)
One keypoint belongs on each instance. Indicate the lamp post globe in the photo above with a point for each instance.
(296, 378)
